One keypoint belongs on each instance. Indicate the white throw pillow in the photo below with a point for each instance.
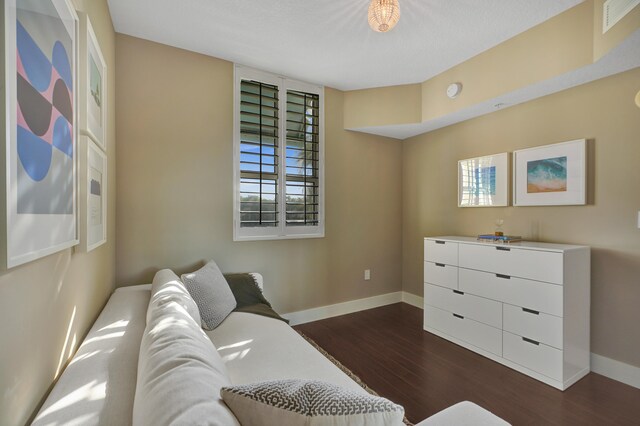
(167, 287)
(211, 293)
(308, 402)
(180, 373)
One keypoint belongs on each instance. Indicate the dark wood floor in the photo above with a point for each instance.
(387, 348)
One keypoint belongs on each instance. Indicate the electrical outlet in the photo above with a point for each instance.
(367, 274)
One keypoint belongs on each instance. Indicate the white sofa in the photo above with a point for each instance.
(99, 384)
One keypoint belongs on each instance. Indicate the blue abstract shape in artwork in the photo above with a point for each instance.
(35, 62)
(61, 64)
(34, 153)
(62, 136)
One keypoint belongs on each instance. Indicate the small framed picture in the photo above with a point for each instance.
(550, 175)
(96, 88)
(483, 181)
(93, 195)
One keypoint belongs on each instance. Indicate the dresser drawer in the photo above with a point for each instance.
(475, 333)
(529, 294)
(540, 358)
(477, 308)
(439, 251)
(531, 264)
(441, 274)
(541, 327)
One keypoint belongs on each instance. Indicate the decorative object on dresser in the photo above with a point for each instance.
(484, 181)
(499, 232)
(499, 238)
(526, 305)
(550, 175)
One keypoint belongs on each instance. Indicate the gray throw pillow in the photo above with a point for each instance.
(211, 293)
(308, 402)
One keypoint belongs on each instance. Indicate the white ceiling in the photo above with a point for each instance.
(329, 42)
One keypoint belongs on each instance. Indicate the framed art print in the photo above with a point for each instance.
(95, 84)
(550, 175)
(93, 195)
(483, 181)
(40, 73)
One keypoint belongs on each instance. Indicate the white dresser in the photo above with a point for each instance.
(525, 305)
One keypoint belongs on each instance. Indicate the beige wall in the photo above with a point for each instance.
(604, 113)
(48, 305)
(175, 187)
(383, 106)
(557, 46)
(603, 43)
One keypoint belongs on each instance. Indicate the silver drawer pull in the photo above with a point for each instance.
(458, 292)
(439, 242)
(461, 317)
(531, 311)
(440, 265)
(506, 277)
(503, 248)
(533, 342)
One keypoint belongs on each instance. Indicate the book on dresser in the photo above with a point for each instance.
(525, 305)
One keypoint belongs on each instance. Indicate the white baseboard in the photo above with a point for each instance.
(344, 308)
(608, 367)
(315, 314)
(616, 370)
(413, 300)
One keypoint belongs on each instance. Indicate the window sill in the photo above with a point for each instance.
(237, 238)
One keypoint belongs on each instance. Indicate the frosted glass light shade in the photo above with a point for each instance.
(383, 15)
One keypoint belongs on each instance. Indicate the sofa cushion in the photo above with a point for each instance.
(179, 372)
(211, 293)
(305, 402)
(98, 385)
(256, 349)
(167, 287)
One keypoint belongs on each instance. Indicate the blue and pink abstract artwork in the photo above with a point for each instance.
(45, 110)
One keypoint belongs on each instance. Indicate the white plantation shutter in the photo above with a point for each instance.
(278, 161)
(302, 159)
(259, 142)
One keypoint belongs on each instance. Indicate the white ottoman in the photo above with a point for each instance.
(464, 414)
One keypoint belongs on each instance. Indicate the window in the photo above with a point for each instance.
(278, 157)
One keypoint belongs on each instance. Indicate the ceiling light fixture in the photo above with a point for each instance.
(383, 15)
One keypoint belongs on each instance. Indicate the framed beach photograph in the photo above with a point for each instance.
(93, 195)
(483, 181)
(95, 84)
(550, 175)
(40, 77)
